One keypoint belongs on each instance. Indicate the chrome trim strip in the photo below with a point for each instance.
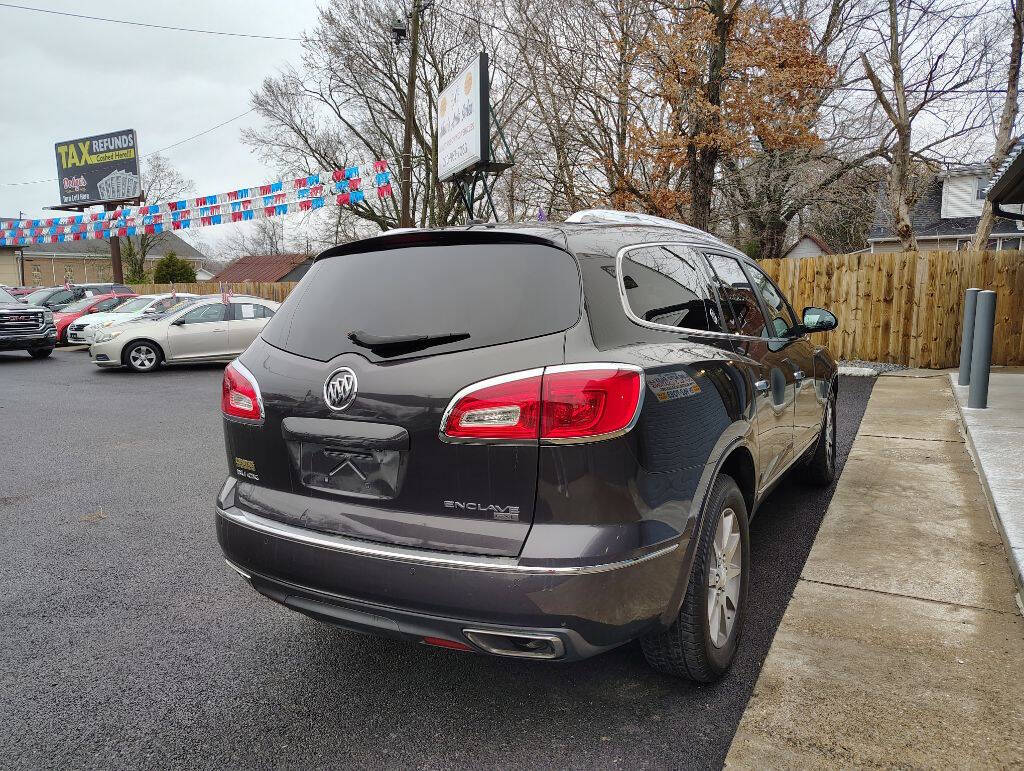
(434, 559)
(238, 570)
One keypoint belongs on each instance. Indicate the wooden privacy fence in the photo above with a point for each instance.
(903, 308)
(268, 290)
(906, 307)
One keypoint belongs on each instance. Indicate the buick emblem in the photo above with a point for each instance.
(340, 388)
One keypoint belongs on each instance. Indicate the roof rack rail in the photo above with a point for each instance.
(617, 216)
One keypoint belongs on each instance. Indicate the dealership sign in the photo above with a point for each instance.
(99, 169)
(463, 127)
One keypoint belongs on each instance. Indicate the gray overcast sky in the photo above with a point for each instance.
(65, 78)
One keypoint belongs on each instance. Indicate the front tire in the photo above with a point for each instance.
(701, 643)
(40, 353)
(143, 356)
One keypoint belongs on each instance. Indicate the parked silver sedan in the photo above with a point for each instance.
(205, 329)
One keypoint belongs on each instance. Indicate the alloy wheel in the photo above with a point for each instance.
(142, 357)
(724, 575)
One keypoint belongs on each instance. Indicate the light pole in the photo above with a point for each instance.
(398, 32)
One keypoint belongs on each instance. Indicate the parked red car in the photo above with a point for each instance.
(95, 304)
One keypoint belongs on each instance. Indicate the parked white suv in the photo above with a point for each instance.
(201, 330)
(84, 329)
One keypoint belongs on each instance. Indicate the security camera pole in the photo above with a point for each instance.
(410, 107)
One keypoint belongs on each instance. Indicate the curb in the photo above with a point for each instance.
(1016, 562)
(858, 371)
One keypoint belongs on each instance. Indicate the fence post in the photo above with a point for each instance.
(967, 339)
(981, 356)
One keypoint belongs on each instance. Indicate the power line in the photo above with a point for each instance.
(201, 133)
(144, 24)
(145, 155)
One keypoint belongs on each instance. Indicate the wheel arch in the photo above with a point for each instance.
(739, 464)
(131, 343)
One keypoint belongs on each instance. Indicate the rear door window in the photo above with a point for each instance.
(667, 285)
(421, 300)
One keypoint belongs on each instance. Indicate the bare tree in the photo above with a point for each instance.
(927, 56)
(773, 186)
(346, 103)
(1005, 135)
(162, 182)
(257, 238)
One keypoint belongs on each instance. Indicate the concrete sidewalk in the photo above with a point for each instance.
(995, 436)
(902, 644)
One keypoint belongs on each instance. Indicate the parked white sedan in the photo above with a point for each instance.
(197, 330)
(85, 328)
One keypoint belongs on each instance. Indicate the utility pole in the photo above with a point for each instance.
(115, 253)
(410, 111)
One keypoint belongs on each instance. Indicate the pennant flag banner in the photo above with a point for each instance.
(247, 210)
(350, 178)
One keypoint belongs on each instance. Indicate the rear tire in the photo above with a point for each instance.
(820, 470)
(40, 353)
(702, 641)
(143, 356)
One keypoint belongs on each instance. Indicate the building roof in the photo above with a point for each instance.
(260, 267)
(1007, 184)
(927, 221)
(817, 242)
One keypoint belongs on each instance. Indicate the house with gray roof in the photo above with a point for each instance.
(78, 261)
(946, 216)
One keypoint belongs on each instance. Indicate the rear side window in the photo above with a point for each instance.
(666, 285)
(424, 300)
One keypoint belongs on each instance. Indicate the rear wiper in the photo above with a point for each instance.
(396, 345)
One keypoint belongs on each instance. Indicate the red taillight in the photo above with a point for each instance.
(501, 408)
(565, 403)
(239, 393)
(582, 403)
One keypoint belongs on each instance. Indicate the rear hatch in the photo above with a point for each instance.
(407, 324)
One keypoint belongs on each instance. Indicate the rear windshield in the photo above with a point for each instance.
(428, 300)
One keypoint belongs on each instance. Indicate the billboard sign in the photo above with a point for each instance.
(99, 169)
(463, 121)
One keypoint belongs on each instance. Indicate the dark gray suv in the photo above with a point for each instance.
(537, 440)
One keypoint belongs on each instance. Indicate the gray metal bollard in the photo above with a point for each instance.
(981, 356)
(967, 341)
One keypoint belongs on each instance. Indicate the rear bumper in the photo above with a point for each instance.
(23, 341)
(413, 593)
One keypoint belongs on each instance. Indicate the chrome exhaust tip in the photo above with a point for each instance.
(520, 645)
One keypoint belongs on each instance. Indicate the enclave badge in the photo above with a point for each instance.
(340, 388)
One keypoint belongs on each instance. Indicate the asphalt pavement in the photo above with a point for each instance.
(126, 641)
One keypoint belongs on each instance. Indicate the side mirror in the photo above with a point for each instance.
(149, 310)
(819, 320)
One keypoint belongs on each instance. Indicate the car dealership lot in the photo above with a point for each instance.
(129, 642)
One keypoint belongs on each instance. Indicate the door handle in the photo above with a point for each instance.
(762, 386)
